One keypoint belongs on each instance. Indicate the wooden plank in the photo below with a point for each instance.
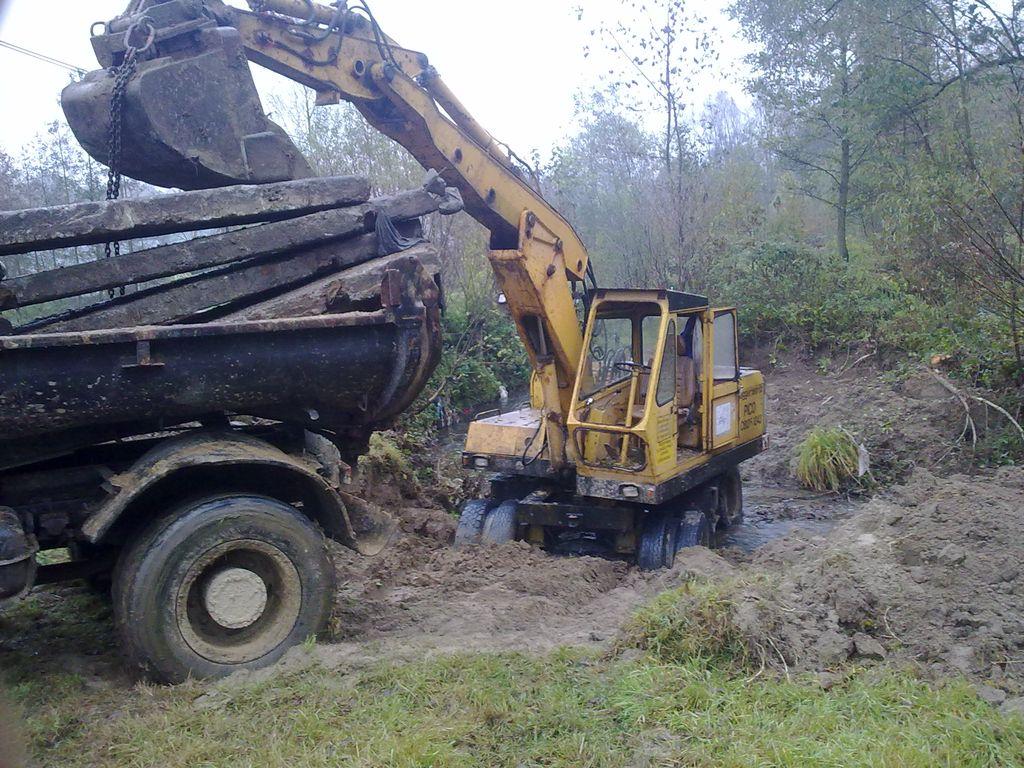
(203, 252)
(338, 292)
(61, 226)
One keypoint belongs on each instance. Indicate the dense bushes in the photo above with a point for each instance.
(482, 352)
(798, 297)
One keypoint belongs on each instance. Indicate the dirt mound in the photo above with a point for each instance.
(927, 574)
(904, 424)
(930, 574)
(421, 595)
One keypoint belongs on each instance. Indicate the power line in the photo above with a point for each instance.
(42, 57)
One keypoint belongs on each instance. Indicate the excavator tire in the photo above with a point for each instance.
(694, 530)
(730, 498)
(471, 522)
(657, 541)
(500, 523)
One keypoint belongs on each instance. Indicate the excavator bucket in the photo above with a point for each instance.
(190, 114)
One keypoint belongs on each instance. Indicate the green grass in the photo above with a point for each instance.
(827, 460)
(564, 710)
(676, 704)
(691, 622)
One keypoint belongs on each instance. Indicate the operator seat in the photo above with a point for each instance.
(686, 380)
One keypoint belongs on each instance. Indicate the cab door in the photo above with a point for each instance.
(663, 409)
(722, 350)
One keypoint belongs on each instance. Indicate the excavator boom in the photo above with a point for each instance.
(191, 117)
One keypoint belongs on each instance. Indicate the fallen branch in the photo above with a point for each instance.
(856, 362)
(968, 420)
(1000, 409)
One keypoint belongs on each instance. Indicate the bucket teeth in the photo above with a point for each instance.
(190, 121)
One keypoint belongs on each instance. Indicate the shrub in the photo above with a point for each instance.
(827, 460)
(385, 463)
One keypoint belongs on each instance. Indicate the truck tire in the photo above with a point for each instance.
(694, 530)
(220, 584)
(471, 522)
(730, 498)
(657, 541)
(500, 523)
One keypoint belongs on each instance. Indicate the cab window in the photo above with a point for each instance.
(667, 373)
(725, 363)
(610, 343)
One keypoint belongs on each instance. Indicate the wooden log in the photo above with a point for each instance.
(265, 240)
(63, 226)
(339, 292)
(180, 301)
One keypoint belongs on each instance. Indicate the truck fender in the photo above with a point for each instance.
(228, 461)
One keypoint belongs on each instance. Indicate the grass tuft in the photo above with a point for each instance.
(385, 462)
(692, 622)
(827, 460)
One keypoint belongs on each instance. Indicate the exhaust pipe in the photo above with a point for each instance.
(191, 116)
(17, 556)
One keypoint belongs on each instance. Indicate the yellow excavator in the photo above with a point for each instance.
(639, 410)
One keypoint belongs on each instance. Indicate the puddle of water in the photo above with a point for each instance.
(771, 513)
(751, 535)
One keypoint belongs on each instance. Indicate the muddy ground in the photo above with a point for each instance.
(927, 573)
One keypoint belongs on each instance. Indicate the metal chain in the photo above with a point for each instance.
(122, 75)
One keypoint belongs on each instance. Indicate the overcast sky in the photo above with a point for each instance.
(516, 64)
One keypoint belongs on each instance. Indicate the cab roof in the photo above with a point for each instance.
(677, 300)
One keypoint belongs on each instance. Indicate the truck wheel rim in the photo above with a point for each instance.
(238, 601)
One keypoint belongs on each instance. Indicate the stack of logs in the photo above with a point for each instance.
(315, 246)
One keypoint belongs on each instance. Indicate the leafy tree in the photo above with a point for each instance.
(658, 51)
(811, 75)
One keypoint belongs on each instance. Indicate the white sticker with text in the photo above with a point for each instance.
(723, 418)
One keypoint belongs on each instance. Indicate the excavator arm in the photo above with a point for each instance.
(342, 54)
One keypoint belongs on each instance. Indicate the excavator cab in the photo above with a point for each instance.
(659, 393)
(660, 416)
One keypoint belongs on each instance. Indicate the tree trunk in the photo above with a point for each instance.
(843, 204)
(843, 201)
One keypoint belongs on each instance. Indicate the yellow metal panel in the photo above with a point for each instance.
(505, 435)
(724, 420)
(665, 440)
(752, 411)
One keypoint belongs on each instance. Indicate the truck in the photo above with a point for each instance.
(196, 464)
(640, 413)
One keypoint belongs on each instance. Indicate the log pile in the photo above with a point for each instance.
(310, 247)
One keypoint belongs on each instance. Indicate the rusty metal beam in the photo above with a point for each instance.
(266, 240)
(63, 226)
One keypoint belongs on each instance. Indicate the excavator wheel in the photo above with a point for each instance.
(657, 541)
(500, 523)
(471, 522)
(694, 530)
(730, 498)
